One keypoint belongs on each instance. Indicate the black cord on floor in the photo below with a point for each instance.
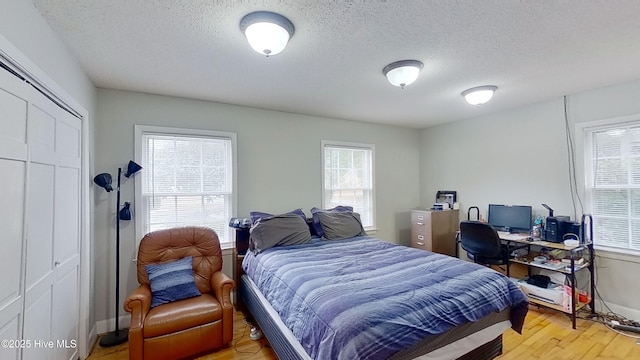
(608, 319)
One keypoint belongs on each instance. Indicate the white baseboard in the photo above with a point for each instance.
(606, 307)
(92, 339)
(93, 335)
(108, 325)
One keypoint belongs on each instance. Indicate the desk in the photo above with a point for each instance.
(569, 271)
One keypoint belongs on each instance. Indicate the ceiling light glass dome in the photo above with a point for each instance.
(403, 73)
(267, 33)
(479, 95)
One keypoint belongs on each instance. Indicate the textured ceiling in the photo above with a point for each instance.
(332, 67)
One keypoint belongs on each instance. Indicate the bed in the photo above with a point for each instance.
(364, 298)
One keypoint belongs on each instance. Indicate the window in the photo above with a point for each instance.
(612, 182)
(188, 178)
(348, 178)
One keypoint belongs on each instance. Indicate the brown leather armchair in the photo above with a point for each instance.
(186, 327)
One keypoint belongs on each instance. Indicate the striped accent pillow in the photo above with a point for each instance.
(171, 281)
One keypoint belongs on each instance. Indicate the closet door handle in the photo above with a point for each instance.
(56, 263)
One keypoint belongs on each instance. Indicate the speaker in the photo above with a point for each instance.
(242, 240)
(571, 227)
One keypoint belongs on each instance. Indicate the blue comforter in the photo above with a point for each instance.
(364, 298)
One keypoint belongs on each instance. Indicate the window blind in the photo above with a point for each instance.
(613, 183)
(187, 180)
(348, 179)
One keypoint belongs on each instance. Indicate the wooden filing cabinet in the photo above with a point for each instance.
(435, 230)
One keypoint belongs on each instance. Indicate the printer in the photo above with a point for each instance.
(441, 206)
(553, 293)
(445, 200)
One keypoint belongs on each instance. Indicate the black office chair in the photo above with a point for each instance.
(483, 245)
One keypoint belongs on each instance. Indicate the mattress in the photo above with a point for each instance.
(364, 298)
(447, 346)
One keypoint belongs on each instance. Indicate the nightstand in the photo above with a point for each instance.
(242, 245)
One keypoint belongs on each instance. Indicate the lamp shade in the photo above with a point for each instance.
(479, 95)
(402, 73)
(268, 33)
(104, 180)
(132, 168)
(125, 212)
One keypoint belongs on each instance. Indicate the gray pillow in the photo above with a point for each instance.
(279, 230)
(340, 225)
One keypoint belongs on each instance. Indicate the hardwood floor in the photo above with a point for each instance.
(547, 335)
(241, 347)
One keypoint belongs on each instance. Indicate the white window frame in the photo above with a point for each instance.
(140, 130)
(371, 228)
(584, 172)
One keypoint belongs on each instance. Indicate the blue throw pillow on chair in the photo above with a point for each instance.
(171, 281)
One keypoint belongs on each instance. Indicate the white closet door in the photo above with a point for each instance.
(66, 251)
(13, 157)
(53, 236)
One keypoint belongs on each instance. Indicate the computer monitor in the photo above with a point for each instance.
(512, 218)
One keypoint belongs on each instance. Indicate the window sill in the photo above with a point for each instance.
(618, 254)
(227, 248)
(371, 231)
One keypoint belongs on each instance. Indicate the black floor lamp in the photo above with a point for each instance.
(104, 180)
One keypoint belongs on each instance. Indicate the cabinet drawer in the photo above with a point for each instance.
(420, 229)
(420, 218)
(420, 241)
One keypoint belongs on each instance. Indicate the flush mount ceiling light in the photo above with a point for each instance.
(402, 73)
(267, 32)
(479, 95)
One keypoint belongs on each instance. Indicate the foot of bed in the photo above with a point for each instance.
(490, 350)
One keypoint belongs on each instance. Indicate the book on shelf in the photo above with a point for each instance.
(578, 261)
(549, 264)
(576, 267)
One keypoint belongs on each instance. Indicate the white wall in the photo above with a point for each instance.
(279, 167)
(27, 30)
(519, 157)
(29, 39)
(516, 157)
